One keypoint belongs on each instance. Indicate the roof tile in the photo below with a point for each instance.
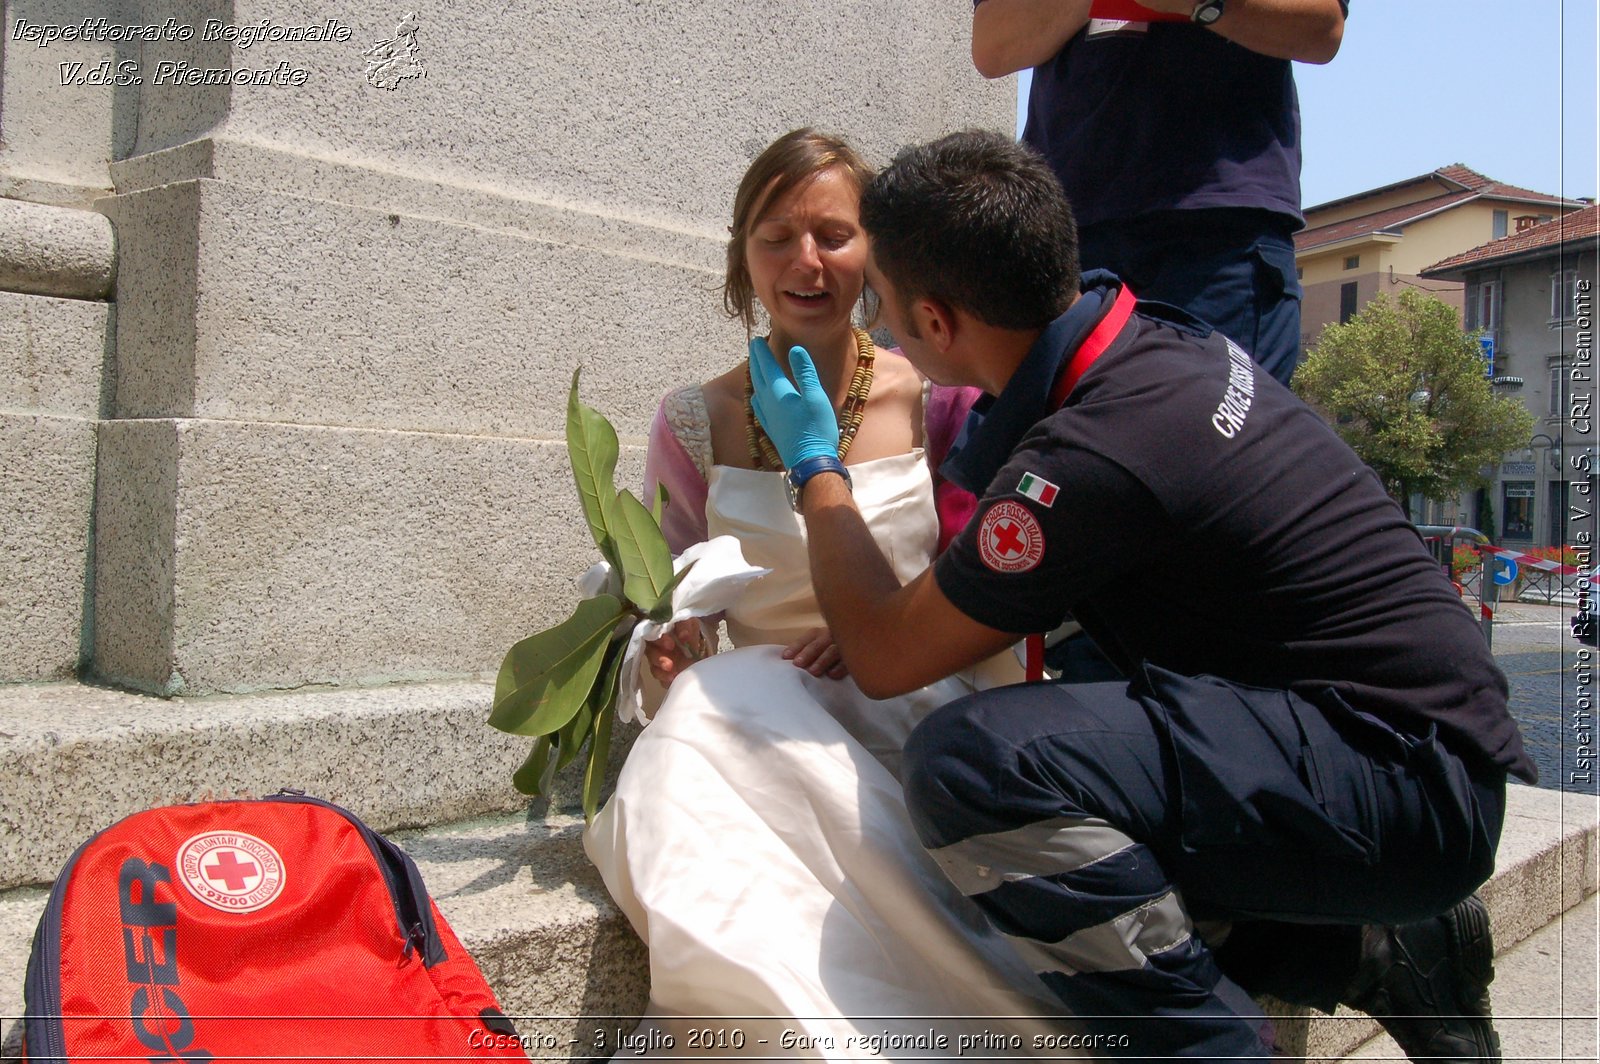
(1579, 225)
(1378, 220)
(1477, 186)
(1464, 175)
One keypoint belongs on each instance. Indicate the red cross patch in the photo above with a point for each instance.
(231, 871)
(1010, 539)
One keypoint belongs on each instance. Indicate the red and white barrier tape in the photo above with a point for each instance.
(1533, 561)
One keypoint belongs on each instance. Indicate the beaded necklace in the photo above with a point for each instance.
(765, 456)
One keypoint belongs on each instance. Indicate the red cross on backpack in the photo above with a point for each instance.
(274, 928)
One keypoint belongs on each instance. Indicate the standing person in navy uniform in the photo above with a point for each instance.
(1178, 144)
(1314, 746)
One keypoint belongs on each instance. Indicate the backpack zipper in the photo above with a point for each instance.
(412, 914)
(44, 1031)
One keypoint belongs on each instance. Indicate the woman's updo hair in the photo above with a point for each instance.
(791, 160)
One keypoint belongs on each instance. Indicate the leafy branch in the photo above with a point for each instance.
(560, 685)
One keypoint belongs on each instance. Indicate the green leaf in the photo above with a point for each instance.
(548, 777)
(594, 773)
(646, 560)
(573, 733)
(659, 503)
(663, 608)
(529, 779)
(601, 699)
(592, 449)
(546, 677)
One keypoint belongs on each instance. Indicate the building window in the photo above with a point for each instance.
(1483, 306)
(1500, 220)
(1347, 301)
(1563, 294)
(1517, 508)
(1299, 273)
(1554, 404)
(1352, 261)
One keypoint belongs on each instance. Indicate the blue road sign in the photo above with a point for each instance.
(1506, 575)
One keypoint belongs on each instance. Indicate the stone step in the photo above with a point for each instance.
(531, 909)
(523, 898)
(1544, 993)
(1547, 864)
(77, 759)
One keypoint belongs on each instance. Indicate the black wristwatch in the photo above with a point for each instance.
(1206, 12)
(804, 471)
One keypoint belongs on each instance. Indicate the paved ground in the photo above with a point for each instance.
(1552, 686)
(1544, 995)
(1545, 989)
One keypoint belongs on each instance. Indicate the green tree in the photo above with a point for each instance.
(1404, 386)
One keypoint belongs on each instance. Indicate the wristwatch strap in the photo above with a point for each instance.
(810, 467)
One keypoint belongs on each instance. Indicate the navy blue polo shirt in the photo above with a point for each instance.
(1137, 118)
(1192, 513)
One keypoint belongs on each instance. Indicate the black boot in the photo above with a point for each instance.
(1427, 983)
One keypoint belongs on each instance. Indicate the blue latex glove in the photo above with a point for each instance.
(799, 420)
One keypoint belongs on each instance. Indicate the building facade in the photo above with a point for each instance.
(1376, 241)
(1532, 293)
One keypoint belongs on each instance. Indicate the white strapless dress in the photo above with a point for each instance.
(758, 839)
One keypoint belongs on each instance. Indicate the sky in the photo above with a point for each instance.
(1508, 89)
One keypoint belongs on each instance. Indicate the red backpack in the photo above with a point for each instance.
(280, 927)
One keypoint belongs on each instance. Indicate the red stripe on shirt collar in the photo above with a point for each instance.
(1094, 345)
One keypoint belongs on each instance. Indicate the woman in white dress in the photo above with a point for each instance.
(758, 839)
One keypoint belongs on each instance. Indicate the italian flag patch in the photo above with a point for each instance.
(1038, 489)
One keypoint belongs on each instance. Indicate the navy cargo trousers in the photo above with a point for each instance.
(1095, 824)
